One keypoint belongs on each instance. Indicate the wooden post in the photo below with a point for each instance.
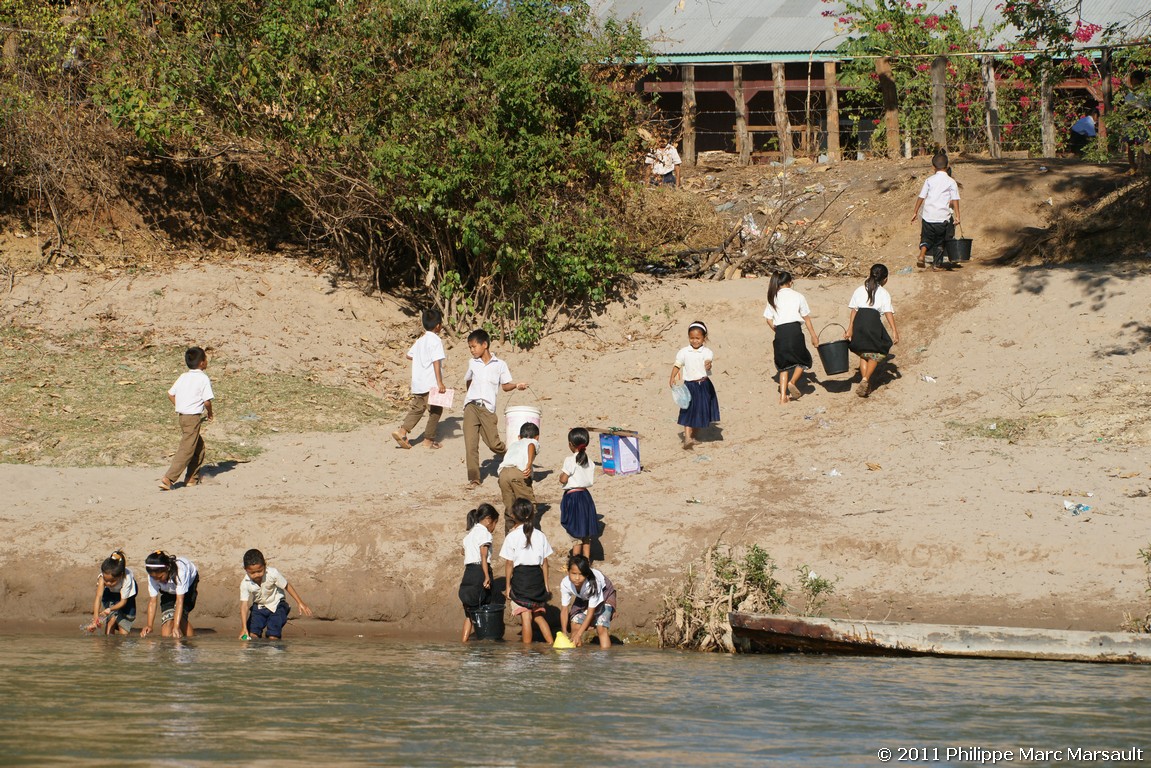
(1105, 87)
(831, 93)
(1046, 113)
(939, 102)
(991, 114)
(890, 105)
(742, 137)
(689, 107)
(11, 46)
(782, 127)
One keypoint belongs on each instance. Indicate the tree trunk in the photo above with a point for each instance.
(890, 105)
(742, 137)
(1105, 88)
(1046, 113)
(991, 114)
(832, 94)
(689, 107)
(782, 128)
(939, 102)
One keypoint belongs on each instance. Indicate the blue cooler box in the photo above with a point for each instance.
(619, 452)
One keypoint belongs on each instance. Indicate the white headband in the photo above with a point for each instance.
(700, 326)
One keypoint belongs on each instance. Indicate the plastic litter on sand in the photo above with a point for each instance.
(1075, 509)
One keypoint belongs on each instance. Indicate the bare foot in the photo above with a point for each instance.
(793, 392)
(431, 444)
(689, 444)
(472, 485)
(864, 389)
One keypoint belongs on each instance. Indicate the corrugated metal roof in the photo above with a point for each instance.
(683, 30)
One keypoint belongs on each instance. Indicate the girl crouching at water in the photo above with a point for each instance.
(869, 305)
(172, 583)
(589, 597)
(526, 551)
(476, 584)
(115, 605)
(786, 312)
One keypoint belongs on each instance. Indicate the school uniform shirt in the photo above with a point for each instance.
(485, 379)
(569, 594)
(126, 586)
(191, 391)
(693, 362)
(426, 351)
(185, 575)
(882, 302)
(477, 537)
(517, 453)
(578, 477)
(516, 549)
(268, 593)
(790, 307)
(937, 193)
(663, 160)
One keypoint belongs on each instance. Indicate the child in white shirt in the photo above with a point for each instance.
(476, 585)
(694, 361)
(263, 599)
(786, 312)
(526, 551)
(192, 397)
(515, 471)
(427, 356)
(577, 508)
(486, 375)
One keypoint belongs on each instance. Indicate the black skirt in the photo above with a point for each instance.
(578, 514)
(472, 592)
(528, 588)
(868, 333)
(790, 348)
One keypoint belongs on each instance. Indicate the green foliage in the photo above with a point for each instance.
(815, 590)
(468, 152)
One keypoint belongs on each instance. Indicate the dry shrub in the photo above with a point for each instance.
(695, 614)
(668, 224)
(1140, 624)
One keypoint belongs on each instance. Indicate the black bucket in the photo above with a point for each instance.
(834, 354)
(488, 621)
(958, 249)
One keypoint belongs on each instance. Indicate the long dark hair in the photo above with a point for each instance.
(779, 278)
(875, 278)
(579, 437)
(115, 564)
(524, 512)
(583, 565)
(481, 513)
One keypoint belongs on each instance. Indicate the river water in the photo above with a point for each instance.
(216, 701)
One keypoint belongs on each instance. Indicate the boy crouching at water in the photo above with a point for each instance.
(263, 604)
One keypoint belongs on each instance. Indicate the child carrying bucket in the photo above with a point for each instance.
(693, 363)
(786, 312)
(868, 338)
(476, 584)
(486, 376)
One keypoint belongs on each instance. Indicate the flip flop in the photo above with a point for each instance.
(193, 480)
(432, 444)
(165, 485)
(401, 439)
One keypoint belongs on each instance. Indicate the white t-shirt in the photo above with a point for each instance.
(185, 575)
(578, 477)
(191, 391)
(790, 307)
(693, 362)
(663, 160)
(517, 453)
(126, 586)
(568, 593)
(516, 549)
(882, 300)
(477, 537)
(267, 593)
(937, 193)
(427, 350)
(485, 379)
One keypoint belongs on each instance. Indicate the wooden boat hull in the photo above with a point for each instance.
(767, 633)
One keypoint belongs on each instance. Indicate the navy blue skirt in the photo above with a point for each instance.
(704, 407)
(578, 514)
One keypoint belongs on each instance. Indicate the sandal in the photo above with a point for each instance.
(472, 485)
(193, 480)
(432, 444)
(165, 484)
(401, 439)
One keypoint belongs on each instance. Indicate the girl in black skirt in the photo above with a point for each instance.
(693, 362)
(526, 551)
(868, 338)
(476, 584)
(786, 312)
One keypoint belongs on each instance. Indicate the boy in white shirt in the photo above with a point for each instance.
(486, 376)
(263, 602)
(515, 471)
(939, 197)
(192, 396)
(426, 355)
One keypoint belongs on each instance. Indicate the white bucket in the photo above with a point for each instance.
(517, 416)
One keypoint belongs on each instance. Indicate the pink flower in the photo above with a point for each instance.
(931, 22)
(884, 27)
(1019, 59)
(1025, 102)
(1083, 61)
(922, 67)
